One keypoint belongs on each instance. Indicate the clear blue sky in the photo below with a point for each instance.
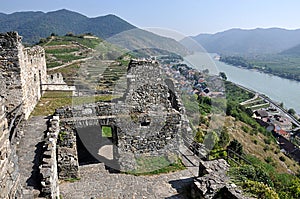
(189, 17)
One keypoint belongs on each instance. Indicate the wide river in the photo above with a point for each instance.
(278, 89)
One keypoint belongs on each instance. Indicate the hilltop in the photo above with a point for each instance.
(245, 42)
(34, 26)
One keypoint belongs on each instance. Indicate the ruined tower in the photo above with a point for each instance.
(22, 73)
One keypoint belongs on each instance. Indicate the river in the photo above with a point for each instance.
(277, 88)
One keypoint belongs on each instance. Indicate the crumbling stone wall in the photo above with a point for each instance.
(23, 71)
(8, 160)
(149, 115)
(67, 154)
(48, 168)
(213, 182)
(56, 82)
(147, 121)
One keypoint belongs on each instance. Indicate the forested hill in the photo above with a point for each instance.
(245, 42)
(294, 51)
(35, 25)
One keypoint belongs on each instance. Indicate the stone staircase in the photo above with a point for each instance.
(29, 151)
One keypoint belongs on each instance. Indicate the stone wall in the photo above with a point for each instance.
(148, 116)
(33, 75)
(22, 70)
(55, 82)
(10, 70)
(147, 121)
(67, 154)
(8, 160)
(48, 168)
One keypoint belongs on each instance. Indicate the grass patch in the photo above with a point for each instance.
(53, 64)
(156, 165)
(58, 42)
(54, 100)
(68, 57)
(254, 143)
(106, 131)
(61, 50)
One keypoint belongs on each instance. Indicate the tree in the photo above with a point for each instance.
(223, 75)
(291, 111)
(224, 137)
(210, 140)
(70, 34)
(281, 104)
(235, 146)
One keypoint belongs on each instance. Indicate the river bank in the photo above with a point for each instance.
(276, 88)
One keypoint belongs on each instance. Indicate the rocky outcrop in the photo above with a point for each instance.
(213, 182)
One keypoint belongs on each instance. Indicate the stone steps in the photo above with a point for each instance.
(29, 152)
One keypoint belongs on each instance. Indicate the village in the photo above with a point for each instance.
(284, 127)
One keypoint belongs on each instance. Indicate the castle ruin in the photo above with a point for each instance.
(147, 121)
(22, 73)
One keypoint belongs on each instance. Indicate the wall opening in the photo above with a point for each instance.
(88, 143)
(145, 123)
(96, 144)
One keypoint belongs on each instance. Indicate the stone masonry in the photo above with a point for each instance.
(22, 73)
(9, 175)
(146, 122)
(48, 167)
(56, 82)
(149, 115)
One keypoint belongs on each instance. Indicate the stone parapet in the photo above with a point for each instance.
(48, 168)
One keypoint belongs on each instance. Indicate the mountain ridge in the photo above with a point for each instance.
(34, 25)
(249, 41)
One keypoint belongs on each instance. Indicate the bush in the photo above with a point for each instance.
(269, 159)
(249, 172)
(260, 190)
(236, 147)
(282, 158)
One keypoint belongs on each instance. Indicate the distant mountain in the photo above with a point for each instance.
(36, 25)
(140, 39)
(294, 51)
(244, 42)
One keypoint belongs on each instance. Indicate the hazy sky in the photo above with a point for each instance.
(189, 17)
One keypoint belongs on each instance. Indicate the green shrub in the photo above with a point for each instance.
(282, 158)
(260, 190)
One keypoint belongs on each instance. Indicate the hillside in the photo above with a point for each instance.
(294, 51)
(244, 42)
(34, 26)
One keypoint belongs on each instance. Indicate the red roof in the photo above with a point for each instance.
(282, 132)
